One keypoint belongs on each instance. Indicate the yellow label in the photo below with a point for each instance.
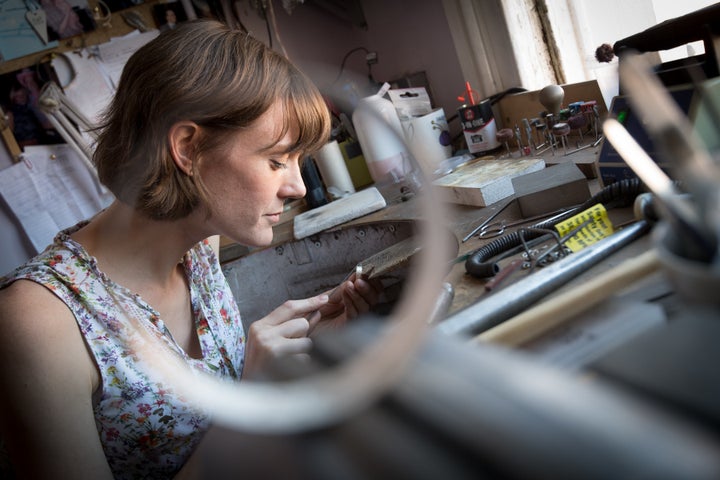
(598, 227)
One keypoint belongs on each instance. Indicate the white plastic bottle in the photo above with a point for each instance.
(381, 138)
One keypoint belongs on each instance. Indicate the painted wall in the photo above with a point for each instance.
(409, 36)
(412, 36)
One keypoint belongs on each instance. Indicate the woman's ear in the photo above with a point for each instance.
(183, 138)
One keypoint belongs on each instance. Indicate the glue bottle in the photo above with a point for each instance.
(381, 138)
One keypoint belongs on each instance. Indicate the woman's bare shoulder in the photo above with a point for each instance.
(38, 326)
(26, 304)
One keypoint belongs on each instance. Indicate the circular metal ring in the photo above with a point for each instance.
(333, 395)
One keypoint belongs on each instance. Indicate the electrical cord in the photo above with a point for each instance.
(269, 33)
(500, 95)
(345, 58)
(618, 194)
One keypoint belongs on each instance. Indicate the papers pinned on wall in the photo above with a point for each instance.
(49, 190)
(52, 188)
(114, 54)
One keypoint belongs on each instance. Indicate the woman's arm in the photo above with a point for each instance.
(46, 378)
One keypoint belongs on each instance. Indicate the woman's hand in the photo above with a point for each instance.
(286, 330)
(281, 333)
(348, 300)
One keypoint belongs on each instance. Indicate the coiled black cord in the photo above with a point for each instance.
(617, 194)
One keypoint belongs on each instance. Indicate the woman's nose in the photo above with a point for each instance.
(294, 187)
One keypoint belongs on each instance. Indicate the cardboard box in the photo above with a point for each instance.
(511, 109)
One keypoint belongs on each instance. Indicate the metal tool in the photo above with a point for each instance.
(443, 303)
(389, 259)
(476, 262)
(528, 134)
(559, 246)
(494, 309)
(395, 257)
(498, 228)
(518, 140)
(487, 220)
(385, 261)
(504, 273)
(539, 133)
(504, 135)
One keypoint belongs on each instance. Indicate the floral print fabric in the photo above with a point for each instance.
(146, 428)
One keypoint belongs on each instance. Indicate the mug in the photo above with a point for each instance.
(428, 139)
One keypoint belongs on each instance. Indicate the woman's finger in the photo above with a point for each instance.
(313, 319)
(361, 296)
(354, 302)
(267, 334)
(293, 328)
(292, 346)
(295, 308)
(369, 290)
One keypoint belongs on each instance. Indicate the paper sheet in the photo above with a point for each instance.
(115, 53)
(51, 189)
(90, 92)
(599, 227)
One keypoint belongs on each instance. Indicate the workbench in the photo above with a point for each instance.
(644, 344)
(461, 220)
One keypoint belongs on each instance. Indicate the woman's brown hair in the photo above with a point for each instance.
(206, 72)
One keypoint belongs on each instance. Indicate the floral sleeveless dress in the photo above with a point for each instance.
(146, 428)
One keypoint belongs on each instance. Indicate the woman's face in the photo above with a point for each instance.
(249, 179)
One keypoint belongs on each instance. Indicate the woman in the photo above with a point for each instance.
(204, 137)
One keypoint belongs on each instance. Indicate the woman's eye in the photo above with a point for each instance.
(277, 165)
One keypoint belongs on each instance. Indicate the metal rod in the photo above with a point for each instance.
(487, 220)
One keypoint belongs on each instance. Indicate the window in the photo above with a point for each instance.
(534, 43)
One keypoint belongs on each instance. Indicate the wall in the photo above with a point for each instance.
(412, 36)
(314, 39)
(409, 36)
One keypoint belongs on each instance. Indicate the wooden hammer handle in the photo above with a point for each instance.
(552, 313)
